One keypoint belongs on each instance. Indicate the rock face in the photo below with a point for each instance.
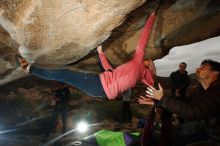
(187, 22)
(55, 33)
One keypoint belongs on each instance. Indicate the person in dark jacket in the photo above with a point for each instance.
(205, 103)
(179, 81)
(127, 114)
(62, 97)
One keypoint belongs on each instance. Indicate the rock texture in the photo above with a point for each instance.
(55, 33)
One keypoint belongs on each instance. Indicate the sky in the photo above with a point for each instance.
(192, 54)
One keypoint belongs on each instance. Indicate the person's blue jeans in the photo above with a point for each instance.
(86, 82)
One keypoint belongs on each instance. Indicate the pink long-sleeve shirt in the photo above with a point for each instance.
(127, 75)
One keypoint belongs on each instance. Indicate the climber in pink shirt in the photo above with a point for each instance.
(111, 82)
